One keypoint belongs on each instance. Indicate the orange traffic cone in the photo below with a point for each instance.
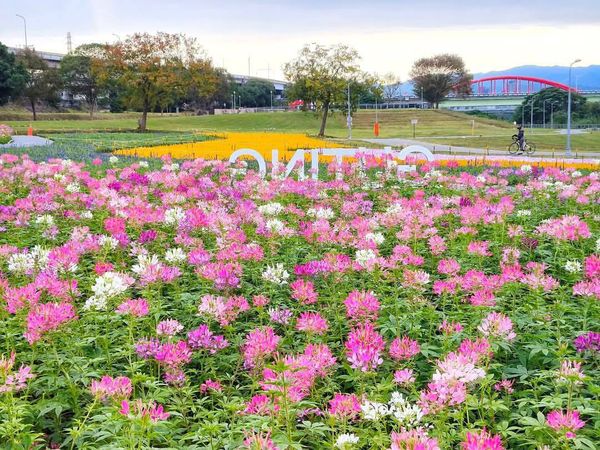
(30, 131)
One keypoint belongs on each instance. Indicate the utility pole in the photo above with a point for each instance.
(24, 27)
(422, 105)
(568, 149)
(271, 100)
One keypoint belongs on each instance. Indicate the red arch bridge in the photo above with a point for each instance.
(513, 85)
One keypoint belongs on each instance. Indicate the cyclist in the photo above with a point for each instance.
(521, 138)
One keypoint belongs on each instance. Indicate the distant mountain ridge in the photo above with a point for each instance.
(584, 78)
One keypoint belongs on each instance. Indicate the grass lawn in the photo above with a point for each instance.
(441, 126)
(393, 124)
(120, 140)
(544, 140)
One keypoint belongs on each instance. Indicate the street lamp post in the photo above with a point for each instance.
(544, 112)
(568, 149)
(233, 101)
(24, 27)
(349, 117)
(552, 114)
(422, 104)
(531, 117)
(271, 100)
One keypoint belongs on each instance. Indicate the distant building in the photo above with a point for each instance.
(278, 85)
(53, 60)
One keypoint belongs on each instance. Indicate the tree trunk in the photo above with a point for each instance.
(92, 110)
(144, 119)
(324, 119)
(33, 109)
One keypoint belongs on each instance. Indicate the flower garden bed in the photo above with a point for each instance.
(196, 305)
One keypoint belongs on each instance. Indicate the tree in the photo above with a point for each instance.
(152, 67)
(83, 74)
(207, 86)
(320, 76)
(391, 87)
(13, 75)
(439, 75)
(256, 93)
(554, 100)
(43, 82)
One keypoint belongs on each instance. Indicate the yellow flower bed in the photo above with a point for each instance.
(225, 144)
(560, 164)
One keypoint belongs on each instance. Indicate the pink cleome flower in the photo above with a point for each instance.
(136, 307)
(312, 323)
(482, 440)
(47, 317)
(118, 388)
(152, 411)
(364, 347)
(497, 325)
(362, 306)
(416, 439)
(565, 422)
(259, 344)
(404, 348)
(344, 406)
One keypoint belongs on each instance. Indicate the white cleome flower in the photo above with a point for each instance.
(113, 160)
(45, 219)
(271, 209)
(526, 168)
(276, 274)
(35, 259)
(321, 213)
(175, 255)
(174, 216)
(107, 286)
(143, 164)
(364, 256)
(108, 242)
(346, 441)
(145, 261)
(404, 412)
(275, 225)
(73, 187)
(374, 410)
(573, 266)
(377, 238)
(524, 213)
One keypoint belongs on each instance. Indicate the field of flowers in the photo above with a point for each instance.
(224, 144)
(198, 306)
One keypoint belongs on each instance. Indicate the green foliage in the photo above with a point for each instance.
(320, 76)
(439, 75)
(44, 82)
(13, 75)
(5, 139)
(155, 71)
(256, 93)
(81, 73)
(553, 100)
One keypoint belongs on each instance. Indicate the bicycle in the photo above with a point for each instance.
(515, 147)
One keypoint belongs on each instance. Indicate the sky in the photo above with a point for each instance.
(259, 36)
